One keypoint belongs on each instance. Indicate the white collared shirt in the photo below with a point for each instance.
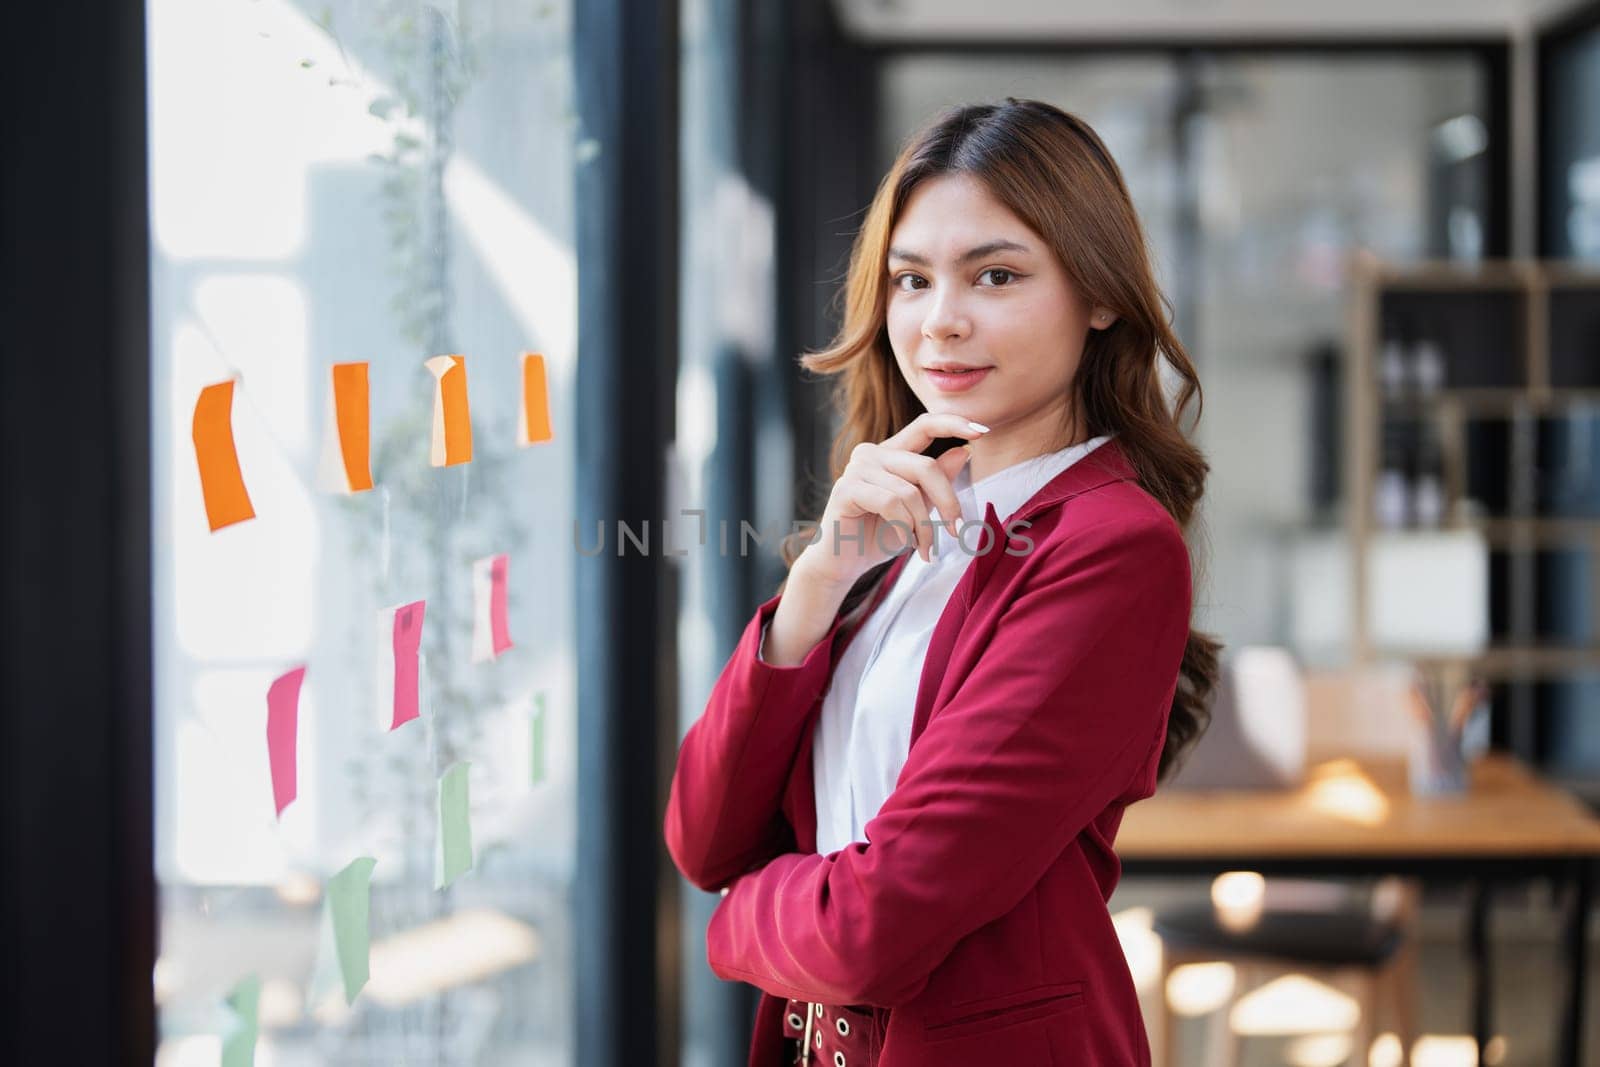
(864, 732)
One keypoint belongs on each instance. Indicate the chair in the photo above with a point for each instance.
(1367, 951)
(1357, 939)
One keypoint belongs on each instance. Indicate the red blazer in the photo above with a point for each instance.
(974, 916)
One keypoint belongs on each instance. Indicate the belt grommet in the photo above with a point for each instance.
(795, 1020)
(843, 1025)
(838, 1059)
(817, 1008)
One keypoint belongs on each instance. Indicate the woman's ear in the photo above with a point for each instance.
(1101, 318)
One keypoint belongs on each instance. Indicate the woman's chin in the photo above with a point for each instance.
(955, 403)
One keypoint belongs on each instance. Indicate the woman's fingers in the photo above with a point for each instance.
(882, 503)
(912, 506)
(893, 481)
(931, 476)
(921, 431)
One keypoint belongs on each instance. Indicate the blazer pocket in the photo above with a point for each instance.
(992, 1013)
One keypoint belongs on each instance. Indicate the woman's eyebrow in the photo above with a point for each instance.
(987, 249)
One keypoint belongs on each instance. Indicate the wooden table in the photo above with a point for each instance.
(1356, 816)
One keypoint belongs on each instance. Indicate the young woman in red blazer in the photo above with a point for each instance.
(1062, 681)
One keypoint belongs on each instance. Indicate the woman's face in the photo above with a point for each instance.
(970, 284)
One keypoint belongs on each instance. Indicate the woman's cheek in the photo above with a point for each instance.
(902, 335)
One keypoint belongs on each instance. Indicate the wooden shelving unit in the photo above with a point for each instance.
(1521, 345)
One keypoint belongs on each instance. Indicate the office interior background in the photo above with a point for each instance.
(1378, 225)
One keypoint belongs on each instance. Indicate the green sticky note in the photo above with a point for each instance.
(345, 920)
(239, 1043)
(453, 857)
(538, 739)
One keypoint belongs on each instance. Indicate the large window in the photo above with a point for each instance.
(380, 183)
(1570, 141)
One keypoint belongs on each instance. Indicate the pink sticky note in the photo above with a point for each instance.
(407, 641)
(283, 717)
(491, 635)
(497, 603)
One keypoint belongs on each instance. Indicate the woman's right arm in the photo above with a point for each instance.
(724, 810)
(724, 806)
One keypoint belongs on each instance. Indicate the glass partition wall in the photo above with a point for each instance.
(364, 736)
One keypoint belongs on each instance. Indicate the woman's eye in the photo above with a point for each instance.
(1003, 277)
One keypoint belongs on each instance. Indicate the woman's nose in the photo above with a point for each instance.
(946, 318)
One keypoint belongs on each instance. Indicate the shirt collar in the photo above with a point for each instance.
(1012, 487)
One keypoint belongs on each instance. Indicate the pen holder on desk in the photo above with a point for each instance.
(1434, 765)
(1448, 729)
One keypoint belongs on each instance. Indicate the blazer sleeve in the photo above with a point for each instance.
(1060, 715)
(724, 806)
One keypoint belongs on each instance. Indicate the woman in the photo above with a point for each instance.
(909, 775)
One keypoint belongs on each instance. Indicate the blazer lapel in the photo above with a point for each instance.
(1106, 463)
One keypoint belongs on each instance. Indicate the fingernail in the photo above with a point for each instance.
(980, 427)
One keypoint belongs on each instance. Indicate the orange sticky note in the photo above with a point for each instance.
(533, 420)
(221, 481)
(354, 423)
(452, 424)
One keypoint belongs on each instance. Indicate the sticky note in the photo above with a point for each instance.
(533, 415)
(283, 715)
(536, 753)
(345, 915)
(490, 633)
(452, 424)
(221, 481)
(399, 671)
(239, 1043)
(453, 857)
(346, 459)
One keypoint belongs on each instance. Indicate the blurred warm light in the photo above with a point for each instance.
(457, 950)
(1318, 1050)
(299, 889)
(1200, 988)
(205, 1050)
(165, 977)
(190, 1050)
(1294, 1004)
(1141, 946)
(331, 1011)
(1236, 897)
(1387, 1051)
(1339, 788)
(1494, 1051)
(1387, 896)
(281, 1003)
(1440, 1050)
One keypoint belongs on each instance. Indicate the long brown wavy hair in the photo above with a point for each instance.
(1053, 172)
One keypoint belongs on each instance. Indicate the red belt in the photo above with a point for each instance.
(830, 1036)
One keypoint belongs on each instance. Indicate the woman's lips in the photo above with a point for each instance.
(957, 382)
